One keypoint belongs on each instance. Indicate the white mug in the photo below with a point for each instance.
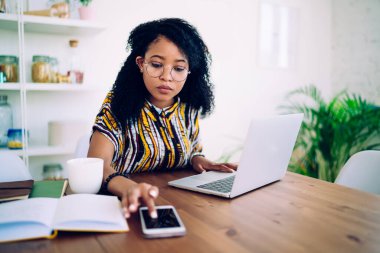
(85, 174)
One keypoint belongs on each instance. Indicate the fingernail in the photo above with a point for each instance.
(132, 207)
(126, 213)
(153, 215)
(153, 193)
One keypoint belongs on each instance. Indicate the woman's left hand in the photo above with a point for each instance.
(201, 164)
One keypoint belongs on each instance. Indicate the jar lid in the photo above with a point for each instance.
(12, 131)
(8, 59)
(41, 58)
(73, 43)
(52, 167)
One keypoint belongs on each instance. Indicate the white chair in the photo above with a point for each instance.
(12, 168)
(362, 172)
(83, 145)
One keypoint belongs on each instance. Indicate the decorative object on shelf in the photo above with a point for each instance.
(15, 138)
(8, 69)
(41, 69)
(54, 73)
(5, 120)
(3, 6)
(52, 171)
(60, 10)
(331, 131)
(75, 72)
(67, 132)
(11, 6)
(86, 11)
(2, 77)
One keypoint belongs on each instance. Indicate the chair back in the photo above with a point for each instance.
(362, 172)
(12, 168)
(83, 145)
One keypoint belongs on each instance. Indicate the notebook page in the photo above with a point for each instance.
(89, 212)
(29, 218)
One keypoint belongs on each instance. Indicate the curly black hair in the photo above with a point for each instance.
(129, 92)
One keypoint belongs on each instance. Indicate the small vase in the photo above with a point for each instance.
(86, 12)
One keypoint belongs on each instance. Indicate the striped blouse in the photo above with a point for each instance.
(157, 141)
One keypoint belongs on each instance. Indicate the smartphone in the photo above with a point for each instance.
(167, 224)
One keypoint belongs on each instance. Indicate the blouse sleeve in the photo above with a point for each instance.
(196, 146)
(107, 124)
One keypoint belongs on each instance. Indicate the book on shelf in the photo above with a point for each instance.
(44, 217)
(49, 188)
(15, 190)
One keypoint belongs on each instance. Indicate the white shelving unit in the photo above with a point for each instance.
(44, 26)
(49, 25)
(9, 21)
(40, 151)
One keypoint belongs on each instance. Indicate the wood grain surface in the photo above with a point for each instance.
(296, 214)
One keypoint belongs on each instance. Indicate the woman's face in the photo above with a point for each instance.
(163, 61)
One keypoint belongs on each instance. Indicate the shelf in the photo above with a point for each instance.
(49, 150)
(8, 21)
(49, 87)
(10, 86)
(59, 25)
(50, 25)
(58, 87)
(4, 151)
(40, 151)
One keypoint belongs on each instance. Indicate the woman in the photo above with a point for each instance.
(149, 120)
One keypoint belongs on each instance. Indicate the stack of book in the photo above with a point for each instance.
(33, 189)
(15, 190)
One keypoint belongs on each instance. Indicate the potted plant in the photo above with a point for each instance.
(86, 11)
(331, 131)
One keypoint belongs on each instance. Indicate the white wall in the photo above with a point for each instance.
(230, 29)
(337, 46)
(356, 47)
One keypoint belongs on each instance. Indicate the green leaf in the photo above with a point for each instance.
(331, 131)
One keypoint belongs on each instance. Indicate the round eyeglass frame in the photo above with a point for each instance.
(155, 76)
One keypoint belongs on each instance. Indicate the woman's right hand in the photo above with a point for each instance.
(131, 193)
(137, 194)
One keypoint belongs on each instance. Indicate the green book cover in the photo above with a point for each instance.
(48, 188)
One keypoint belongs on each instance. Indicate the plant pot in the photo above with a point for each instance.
(86, 12)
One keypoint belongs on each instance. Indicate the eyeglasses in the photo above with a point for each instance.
(156, 69)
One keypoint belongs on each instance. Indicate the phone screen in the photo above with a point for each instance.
(166, 219)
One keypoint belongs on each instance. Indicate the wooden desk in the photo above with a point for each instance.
(297, 214)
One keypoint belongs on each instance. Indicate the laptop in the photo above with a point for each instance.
(264, 160)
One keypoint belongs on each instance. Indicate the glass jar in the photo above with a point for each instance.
(41, 69)
(15, 138)
(52, 171)
(5, 120)
(76, 69)
(8, 68)
(54, 70)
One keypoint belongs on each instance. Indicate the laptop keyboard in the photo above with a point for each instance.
(222, 185)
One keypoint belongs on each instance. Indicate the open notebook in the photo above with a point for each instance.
(42, 217)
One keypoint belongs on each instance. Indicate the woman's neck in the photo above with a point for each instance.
(161, 104)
